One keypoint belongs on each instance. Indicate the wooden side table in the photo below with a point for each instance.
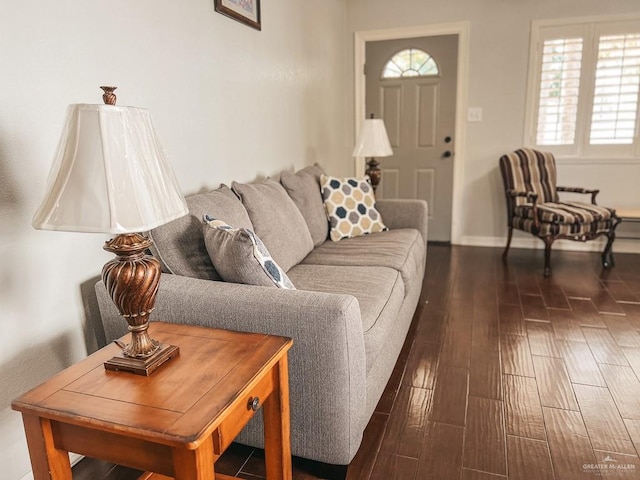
(176, 422)
(630, 215)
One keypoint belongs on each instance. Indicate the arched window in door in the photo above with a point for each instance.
(411, 62)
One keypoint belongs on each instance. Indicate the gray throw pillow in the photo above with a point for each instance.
(179, 245)
(304, 189)
(240, 257)
(276, 220)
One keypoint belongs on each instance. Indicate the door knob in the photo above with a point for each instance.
(447, 139)
(447, 154)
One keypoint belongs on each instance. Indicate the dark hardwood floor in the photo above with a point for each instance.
(505, 374)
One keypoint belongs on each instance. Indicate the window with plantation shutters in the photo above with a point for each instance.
(559, 87)
(615, 98)
(584, 88)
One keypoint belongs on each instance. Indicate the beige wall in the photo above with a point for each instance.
(230, 103)
(498, 65)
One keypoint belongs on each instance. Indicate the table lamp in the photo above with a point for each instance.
(111, 175)
(373, 142)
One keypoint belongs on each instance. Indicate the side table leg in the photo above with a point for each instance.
(277, 440)
(47, 462)
(194, 464)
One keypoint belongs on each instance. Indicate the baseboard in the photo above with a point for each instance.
(621, 245)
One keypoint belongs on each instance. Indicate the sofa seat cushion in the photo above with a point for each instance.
(276, 220)
(379, 291)
(403, 250)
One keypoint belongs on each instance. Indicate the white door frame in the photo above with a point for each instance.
(458, 28)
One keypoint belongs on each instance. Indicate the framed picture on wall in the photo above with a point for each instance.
(245, 11)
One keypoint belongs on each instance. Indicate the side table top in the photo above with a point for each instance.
(628, 213)
(179, 404)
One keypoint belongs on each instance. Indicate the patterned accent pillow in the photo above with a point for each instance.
(239, 256)
(350, 207)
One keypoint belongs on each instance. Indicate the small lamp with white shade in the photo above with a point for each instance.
(373, 141)
(111, 175)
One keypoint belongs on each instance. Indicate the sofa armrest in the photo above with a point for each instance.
(405, 213)
(327, 363)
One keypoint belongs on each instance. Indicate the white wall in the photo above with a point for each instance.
(499, 51)
(230, 103)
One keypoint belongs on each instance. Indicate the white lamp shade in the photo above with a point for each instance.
(372, 140)
(110, 175)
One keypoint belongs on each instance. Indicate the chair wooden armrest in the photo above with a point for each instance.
(532, 197)
(592, 192)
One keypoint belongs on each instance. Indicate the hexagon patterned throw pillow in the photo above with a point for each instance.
(350, 206)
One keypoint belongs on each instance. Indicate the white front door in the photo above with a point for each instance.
(417, 101)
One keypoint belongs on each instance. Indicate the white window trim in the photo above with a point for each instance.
(594, 153)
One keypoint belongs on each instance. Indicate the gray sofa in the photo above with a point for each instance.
(348, 317)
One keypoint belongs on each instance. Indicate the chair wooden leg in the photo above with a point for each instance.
(506, 249)
(548, 241)
(607, 254)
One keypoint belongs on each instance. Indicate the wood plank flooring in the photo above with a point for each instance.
(505, 375)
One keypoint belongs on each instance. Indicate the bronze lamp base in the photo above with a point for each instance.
(132, 280)
(374, 172)
(142, 366)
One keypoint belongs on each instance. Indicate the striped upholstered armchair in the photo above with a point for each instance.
(533, 205)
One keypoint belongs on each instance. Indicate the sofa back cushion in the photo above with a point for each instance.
(276, 220)
(304, 189)
(179, 245)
